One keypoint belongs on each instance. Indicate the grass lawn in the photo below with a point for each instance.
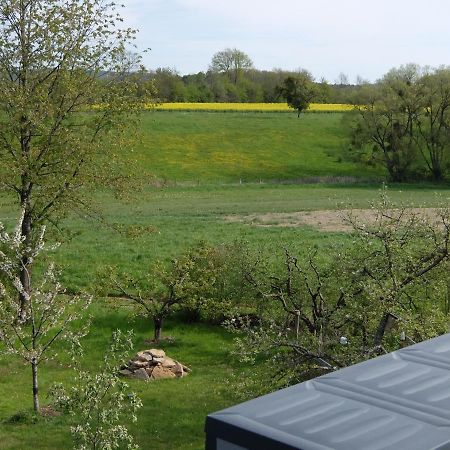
(174, 410)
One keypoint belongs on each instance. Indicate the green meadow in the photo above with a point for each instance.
(228, 147)
(203, 157)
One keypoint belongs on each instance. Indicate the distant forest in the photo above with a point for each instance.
(252, 86)
(232, 77)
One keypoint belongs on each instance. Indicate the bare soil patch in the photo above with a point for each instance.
(324, 220)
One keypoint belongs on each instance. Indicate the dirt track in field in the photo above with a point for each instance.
(325, 220)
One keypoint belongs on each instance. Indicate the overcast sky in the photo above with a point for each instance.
(327, 37)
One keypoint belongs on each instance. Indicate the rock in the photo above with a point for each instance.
(153, 364)
(168, 362)
(162, 372)
(138, 364)
(144, 356)
(156, 353)
(141, 374)
(177, 370)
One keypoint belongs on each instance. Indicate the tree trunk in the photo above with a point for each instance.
(157, 322)
(385, 325)
(25, 269)
(25, 151)
(437, 172)
(35, 385)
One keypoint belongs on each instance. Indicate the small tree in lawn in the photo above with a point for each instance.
(189, 282)
(299, 91)
(50, 314)
(300, 321)
(100, 401)
(153, 298)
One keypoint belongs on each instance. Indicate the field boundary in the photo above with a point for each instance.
(313, 180)
(251, 107)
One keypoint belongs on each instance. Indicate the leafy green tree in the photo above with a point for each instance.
(398, 264)
(269, 81)
(298, 90)
(169, 85)
(301, 313)
(433, 123)
(190, 283)
(66, 84)
(406, 119)
(232, 62)
(323, 91)
(197, 88)
(386, 121)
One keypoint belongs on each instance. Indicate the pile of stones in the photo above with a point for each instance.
(153, 364)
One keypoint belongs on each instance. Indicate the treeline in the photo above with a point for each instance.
(253, 86)
(232, 77)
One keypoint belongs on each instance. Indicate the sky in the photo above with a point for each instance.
(362, 38)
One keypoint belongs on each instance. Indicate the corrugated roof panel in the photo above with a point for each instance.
(396, 401)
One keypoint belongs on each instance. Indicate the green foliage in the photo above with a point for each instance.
(218, 289)
(433, 126)
(299, 91)
(403, 123)
(201, 267)
(232, 62)
(388, 289)
(193, 282)
(253, 85)
(302, 317)
(169, 86)
(66, 85)
(399, 264)
(65, 88)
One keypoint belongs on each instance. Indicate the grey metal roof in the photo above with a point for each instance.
(396, 401)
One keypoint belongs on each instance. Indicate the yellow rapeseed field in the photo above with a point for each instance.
(258, 107)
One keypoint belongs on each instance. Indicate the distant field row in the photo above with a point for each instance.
(253, 107)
